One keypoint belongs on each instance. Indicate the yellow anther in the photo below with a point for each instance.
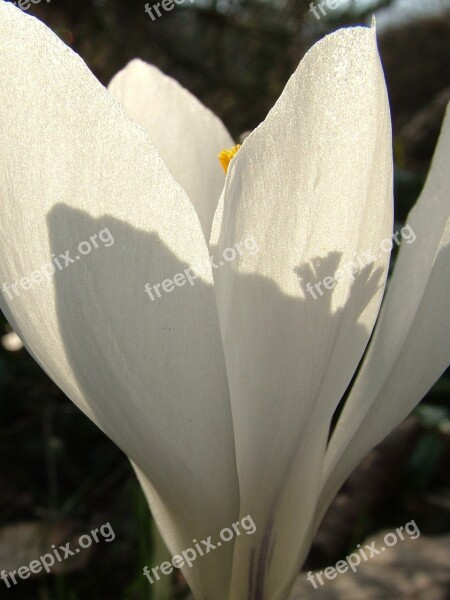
(226, 155)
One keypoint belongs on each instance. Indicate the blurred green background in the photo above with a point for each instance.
(58, 472)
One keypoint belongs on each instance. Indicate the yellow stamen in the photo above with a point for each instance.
(226, 155)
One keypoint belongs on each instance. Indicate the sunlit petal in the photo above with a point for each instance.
(76, 170)
(313, 187)
(187, 135)
(411, 345)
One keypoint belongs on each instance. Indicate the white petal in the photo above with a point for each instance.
(411, 345)
(313, 185)
(187, 135)
(150, 374)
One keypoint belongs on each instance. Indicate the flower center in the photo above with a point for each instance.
(226, 155)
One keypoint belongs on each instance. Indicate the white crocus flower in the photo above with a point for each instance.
(220, 393)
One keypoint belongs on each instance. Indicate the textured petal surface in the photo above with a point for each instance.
(187, 135)
(77, 173)
(313, 186)
(411, 345)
